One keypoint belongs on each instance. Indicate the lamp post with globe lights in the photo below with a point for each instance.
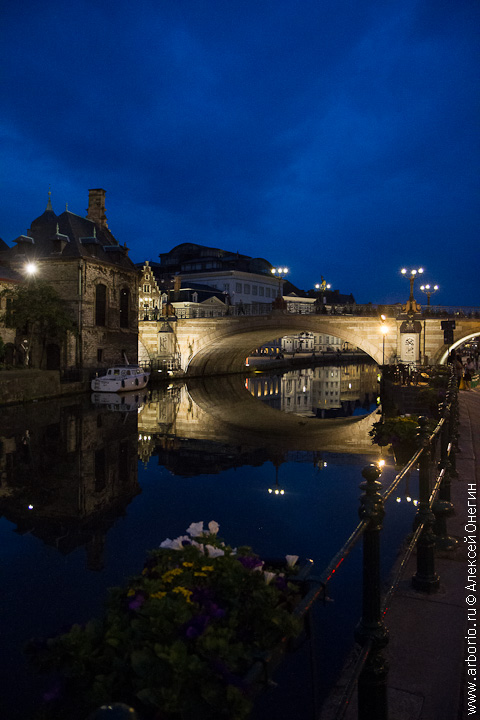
(279, 272)
(411, 307)
(429, 290)
(322, 287)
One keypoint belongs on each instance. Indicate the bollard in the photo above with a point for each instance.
(372, 683)
(425, 579)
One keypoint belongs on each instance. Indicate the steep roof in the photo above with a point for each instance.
(70, 236)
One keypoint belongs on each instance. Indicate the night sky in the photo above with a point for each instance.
(336, 138)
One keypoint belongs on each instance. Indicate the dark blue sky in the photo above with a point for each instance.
(337, 138)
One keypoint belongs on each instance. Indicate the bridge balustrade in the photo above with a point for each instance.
(295, 308)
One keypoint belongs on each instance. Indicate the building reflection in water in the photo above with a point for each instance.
(322, 391)
(68, 470)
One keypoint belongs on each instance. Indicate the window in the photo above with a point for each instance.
(226, 287)
(146, 288)
(124, 307)
(254, 290)
(267, 292)
(246, 289)
(238, 287)
(99, 355)
(261, 291)
(100, 305)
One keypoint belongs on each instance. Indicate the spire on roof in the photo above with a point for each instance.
(49, 203)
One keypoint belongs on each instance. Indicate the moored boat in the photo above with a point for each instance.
(121, 378)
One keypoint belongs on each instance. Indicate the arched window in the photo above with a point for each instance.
(101, 305)
(124, 307)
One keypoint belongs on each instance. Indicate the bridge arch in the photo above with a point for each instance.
(222, 347)
(443, 353)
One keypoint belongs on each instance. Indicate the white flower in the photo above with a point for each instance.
(176, 544)
(291, 560)
(268, 576)
(168, 543)
(213, 527)
(214, 552)
(195, 529)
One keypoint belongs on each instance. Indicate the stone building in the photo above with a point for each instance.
(9, 278)
(93, 274)
(240, 278)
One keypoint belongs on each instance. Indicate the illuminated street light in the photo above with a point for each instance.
(322, 288)
(411, 306)
(280, 273)
(429, 290)
(31, 268)
(383, 330)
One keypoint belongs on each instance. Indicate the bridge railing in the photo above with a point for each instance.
(297, 308)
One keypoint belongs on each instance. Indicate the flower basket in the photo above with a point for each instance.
(400, 433)
(177, 640)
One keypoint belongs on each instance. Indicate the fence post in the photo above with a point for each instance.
(425, 579)
(443, 507)
(372, 683)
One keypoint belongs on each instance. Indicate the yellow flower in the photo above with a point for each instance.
(130, 592)
(207, 567)
(170, 574)
(183, 591)
(187, 564)
(200, 574)
(158, 595)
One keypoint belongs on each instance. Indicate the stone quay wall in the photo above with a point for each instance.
(21, 386)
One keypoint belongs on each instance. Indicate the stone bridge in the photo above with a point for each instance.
(220, 345)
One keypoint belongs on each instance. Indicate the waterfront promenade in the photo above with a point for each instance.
(427, 648)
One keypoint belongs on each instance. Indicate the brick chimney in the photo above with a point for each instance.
(96, 207)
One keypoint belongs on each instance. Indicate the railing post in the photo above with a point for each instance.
(372, 683)
(443, 507)
(425, 579)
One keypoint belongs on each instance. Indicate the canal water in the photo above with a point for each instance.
(90, 483)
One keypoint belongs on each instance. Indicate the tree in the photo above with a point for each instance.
(37, 312)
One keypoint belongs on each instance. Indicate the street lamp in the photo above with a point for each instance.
(411, 306)
(31, 268)
(280, 273)
(322, 287)
(429, 290)
(383, 330)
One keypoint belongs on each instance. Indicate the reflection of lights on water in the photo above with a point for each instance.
(30, 507)
(381, 463)
(144, 437)
(276, 491)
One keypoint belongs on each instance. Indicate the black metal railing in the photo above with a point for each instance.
(435, 459)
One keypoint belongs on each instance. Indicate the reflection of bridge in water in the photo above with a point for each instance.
(224, 411)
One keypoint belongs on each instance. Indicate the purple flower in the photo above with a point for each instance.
(281, 583)
(137, 601)
(196, 626)
(250, 562)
